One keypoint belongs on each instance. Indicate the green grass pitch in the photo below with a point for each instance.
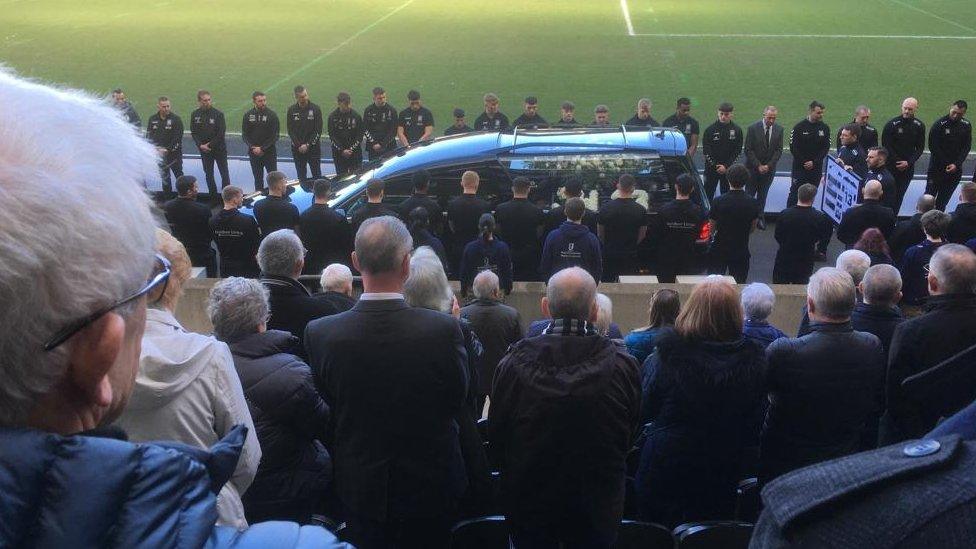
(750, 52)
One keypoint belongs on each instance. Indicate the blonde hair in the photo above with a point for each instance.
(172, 249)
(712, 312)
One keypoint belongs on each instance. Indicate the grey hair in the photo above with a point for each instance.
(485, 285)
(881, 284)
(770, 108)
(644, 101)
(236, 307)
(280, 252)
(64, 258)
(854, 263)
(832, 292)
(954, 266)
(604, 314)
(758, 300)
(381, 244)
(571, 293)
(335, 277)
(427, 286)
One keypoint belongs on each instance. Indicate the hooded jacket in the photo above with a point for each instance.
(571, 245)
(703, 402)
(112, 493)
(187, 391)
(291, 421)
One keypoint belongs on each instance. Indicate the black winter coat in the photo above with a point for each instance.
(825, 397)
(703, 402)
(291, 420)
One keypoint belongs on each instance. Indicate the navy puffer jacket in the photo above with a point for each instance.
(87, 491)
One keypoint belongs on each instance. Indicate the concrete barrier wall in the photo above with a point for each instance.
(630, 303)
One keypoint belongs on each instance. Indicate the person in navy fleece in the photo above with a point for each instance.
(572, 244)
(757, 303)
(486, 253)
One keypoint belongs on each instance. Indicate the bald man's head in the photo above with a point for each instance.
(909, 107)
(872, 190)
(571, 293)
(925, 203)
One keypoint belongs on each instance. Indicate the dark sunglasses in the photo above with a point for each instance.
(161, 275)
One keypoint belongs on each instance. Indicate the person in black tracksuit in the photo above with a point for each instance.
(189, 222)
(259, 130)
(869, 134)
(346, 133)
(621, 227)
(459, 125)
(721, 145)
(165, 130)
(379, 125)
(237, 236)
(208, 129)
(809, 144)
(414, 123)
(519, 225)
(851, 154)
(801, 232)
(678, 225)
(950, 139)
(733, 217)
(492, 119)
(904, 137)
(304, 120)
(126, 108)
(642, 118)
(530, 119)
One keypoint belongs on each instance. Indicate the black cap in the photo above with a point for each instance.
(458, 113)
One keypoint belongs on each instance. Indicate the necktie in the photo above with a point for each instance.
(767, 136)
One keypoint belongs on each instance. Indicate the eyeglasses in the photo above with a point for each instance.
(162, 272)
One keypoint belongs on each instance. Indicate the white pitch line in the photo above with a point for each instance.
(930, 14)
(851, 36)
(626, 10)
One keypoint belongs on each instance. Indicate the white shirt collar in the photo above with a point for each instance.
(380, 296)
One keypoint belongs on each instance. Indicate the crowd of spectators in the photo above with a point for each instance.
(361, 414)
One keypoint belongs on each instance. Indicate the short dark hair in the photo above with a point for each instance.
(568, 106)
(374, 187)
(378, 90)
(882, 152)
(627, 182)
(274, 178)
(738, 176)
(806, 193)
(816, 104)
(184, 183)
(854, 129)
(521, 184)
(201, 93)
(321, 188)
(531, 100)
(420, 180)
(573, 187)
(574, 209)
(231, 192)
(413, 95)
(935, 223)
(683, 101)
(299, 89)
(726, 107)
(343, 97)
(257, 94)
(961, 104)
(685, 184)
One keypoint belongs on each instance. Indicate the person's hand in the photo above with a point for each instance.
(303, 148)
(347, 153)
(455, 308)
(161, 150)
(951, 168)
(205, 147)
(720, 169)
(902, 165)
(377, 146)
(763, 169)
(808, 165)
(256, 151)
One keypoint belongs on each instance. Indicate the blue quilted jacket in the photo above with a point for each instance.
(87, 491)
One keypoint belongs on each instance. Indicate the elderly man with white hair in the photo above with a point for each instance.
(852, 262)
(564, 407)
(74, 311)
(826, 388)
(496, 324)
(336, 282)
(947, 327)
(757, 303)
(281, 257)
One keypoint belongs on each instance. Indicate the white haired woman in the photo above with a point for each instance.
(187, 389)
(290, 416)
(758, 301)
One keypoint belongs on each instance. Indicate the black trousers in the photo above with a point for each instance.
(345, 165)
(245, 267)
(733, 262)
(204, 257)
(525, 263)
(267, 162)
(801, 177)
(941, 185)
(366, 533)
(714, 179)
(171, 163)
(902, 180)
(373, 155)
(792, 271)
(208, 159)
(616, 264)
(758, 188)
(311, 159)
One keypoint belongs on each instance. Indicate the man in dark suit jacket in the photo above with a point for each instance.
(861, 217)
(189, 221)
(763, 147)
(281, 257)
(909, 232)
(395, 378)
(825, 388)
(947, 327)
